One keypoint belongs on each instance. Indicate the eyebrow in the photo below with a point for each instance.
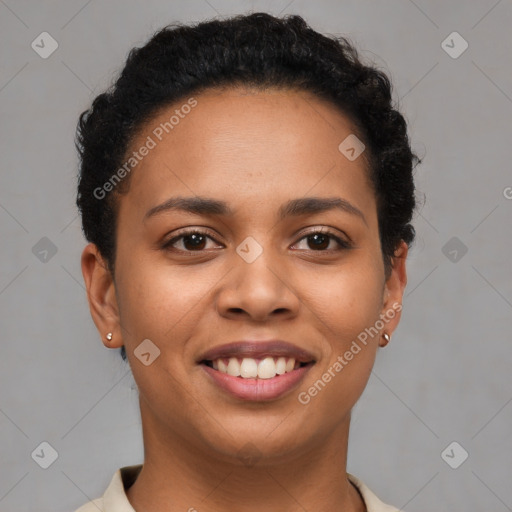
(293, 208)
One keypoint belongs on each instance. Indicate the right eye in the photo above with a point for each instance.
(192, 241)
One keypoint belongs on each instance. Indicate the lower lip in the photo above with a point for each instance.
(259, 390)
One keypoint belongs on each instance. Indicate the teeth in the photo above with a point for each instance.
(233, 368)
(267, 368)
(222, 366)
(250, 368)
(281, 365)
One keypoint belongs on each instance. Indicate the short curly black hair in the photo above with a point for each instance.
(257, 50)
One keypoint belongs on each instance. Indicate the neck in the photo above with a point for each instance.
(179, 476)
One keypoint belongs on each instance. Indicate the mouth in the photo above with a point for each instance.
(257, 371)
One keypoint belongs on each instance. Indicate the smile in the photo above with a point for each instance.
(256, 370)
(245, 386)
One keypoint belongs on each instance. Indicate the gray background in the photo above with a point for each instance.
(445, 375)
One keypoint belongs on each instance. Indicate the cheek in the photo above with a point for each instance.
(163, 304)
(160, 302)
(345, 301)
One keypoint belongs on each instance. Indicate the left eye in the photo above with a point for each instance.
(320, 240)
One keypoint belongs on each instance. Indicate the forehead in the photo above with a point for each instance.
(243, 142)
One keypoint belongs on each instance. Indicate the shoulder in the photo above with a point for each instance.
(114, 497)
(372, 502)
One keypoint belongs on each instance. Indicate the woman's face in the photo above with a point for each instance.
(256, 272)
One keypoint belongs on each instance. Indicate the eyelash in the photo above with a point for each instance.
(344, 244)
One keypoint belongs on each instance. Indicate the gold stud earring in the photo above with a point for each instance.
(109, 336)
(387, 339)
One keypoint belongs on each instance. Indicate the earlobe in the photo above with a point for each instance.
(394, 290)
(101, 296)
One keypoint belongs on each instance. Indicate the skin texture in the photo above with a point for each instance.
(254, 150)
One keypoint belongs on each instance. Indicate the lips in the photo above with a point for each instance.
(257, 370)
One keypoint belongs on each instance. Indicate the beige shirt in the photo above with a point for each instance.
(114, 499)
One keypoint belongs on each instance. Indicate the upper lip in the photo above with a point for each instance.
(257, 349)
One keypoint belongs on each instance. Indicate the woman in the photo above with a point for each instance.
(246, 188)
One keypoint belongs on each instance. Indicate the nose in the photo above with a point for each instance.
(258, 291)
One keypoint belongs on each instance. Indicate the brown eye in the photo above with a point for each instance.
(190, 240)
(319, 241)
(194, 241)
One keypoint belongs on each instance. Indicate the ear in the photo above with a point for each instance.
(101, 296)
(394, 290)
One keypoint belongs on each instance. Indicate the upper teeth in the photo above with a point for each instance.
(250, 368)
